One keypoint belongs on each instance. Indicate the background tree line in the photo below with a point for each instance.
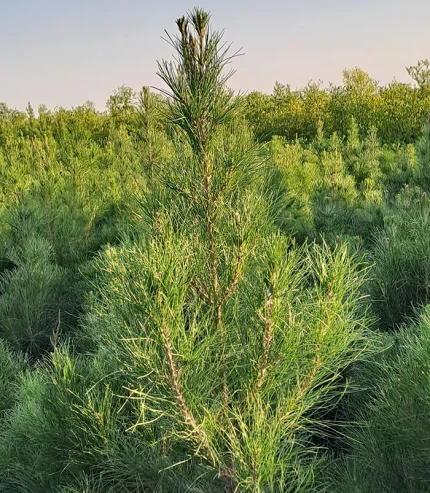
(398, 110)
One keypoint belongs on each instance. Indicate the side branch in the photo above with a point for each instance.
(186, 413)
(182, 192)
(267, 319)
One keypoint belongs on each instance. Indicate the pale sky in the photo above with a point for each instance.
(65, 52)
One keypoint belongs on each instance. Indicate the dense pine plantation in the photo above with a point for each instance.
(206, 292)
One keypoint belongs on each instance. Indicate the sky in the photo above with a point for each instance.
(64, 53)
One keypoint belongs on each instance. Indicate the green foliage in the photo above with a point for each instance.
(184, 287)
(334, 189)
(420, 73)
(69, 428)
(66, 191)
(423, 156)
(34, 299)
(398, 110)
(401, 272)
(294, 344)
(390, 448)
(234, 366)
(11, 365)
(399, 168)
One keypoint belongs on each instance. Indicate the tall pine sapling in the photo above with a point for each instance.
(238, 338)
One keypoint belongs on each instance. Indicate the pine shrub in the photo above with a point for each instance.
(401, 252)
(35, 299)
(389, 445)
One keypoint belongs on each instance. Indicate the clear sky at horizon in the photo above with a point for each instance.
(63, 53)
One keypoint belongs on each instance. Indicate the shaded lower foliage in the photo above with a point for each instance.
(389, 448)
(401, 252)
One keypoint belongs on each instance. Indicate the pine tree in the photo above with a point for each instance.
(237, 366)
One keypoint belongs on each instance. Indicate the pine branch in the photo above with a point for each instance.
(201, 292)
(176, 388)
(267, 319)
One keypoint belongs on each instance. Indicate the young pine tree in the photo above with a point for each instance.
(239, 338)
